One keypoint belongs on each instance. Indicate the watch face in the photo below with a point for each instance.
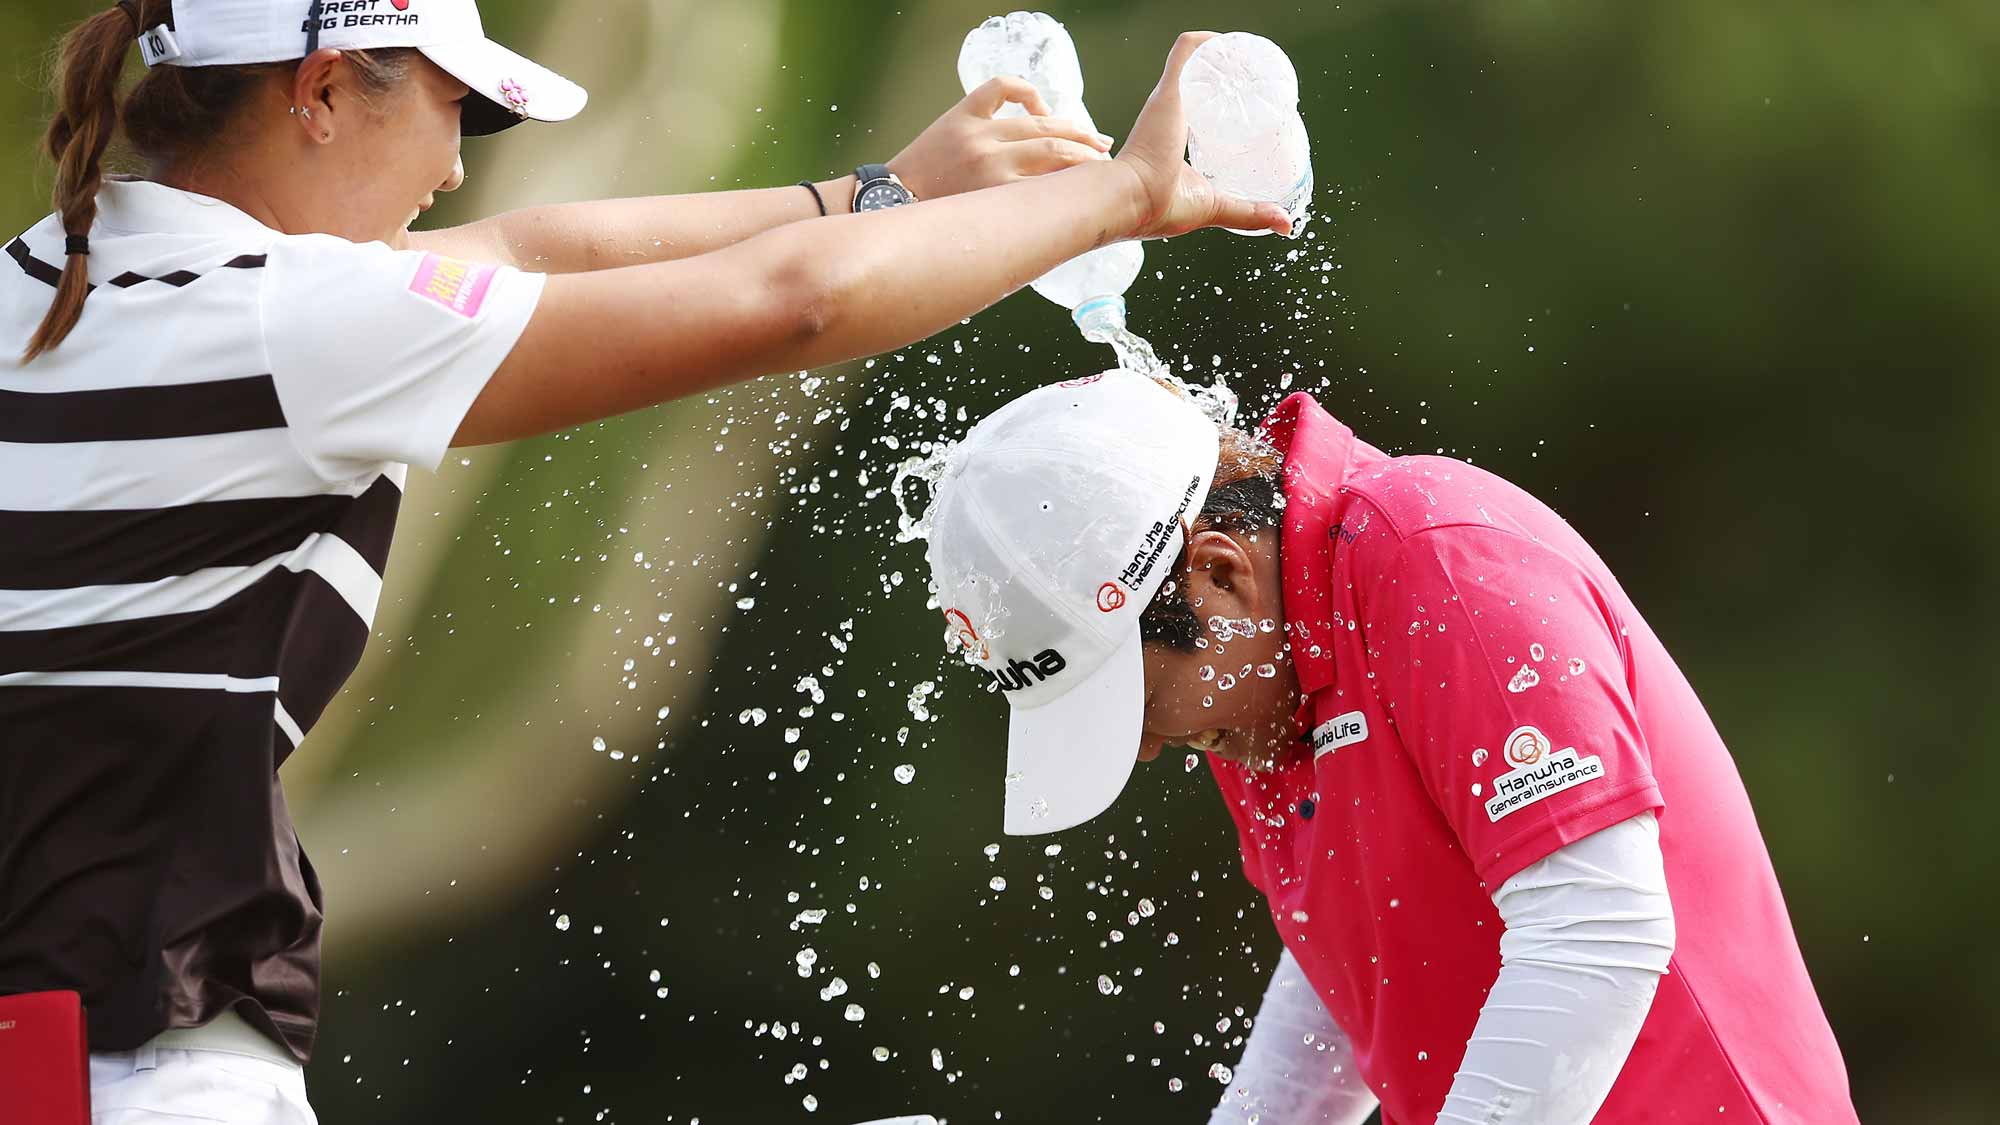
(880, 196)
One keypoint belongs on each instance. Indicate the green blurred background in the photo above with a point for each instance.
(1714, 279)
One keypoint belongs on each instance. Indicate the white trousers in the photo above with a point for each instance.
(226, 1073)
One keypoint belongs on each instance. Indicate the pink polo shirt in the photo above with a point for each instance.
(1478, 693)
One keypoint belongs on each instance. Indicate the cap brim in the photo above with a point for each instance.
(1068, 759)
(490, 70)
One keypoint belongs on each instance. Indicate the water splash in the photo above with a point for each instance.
(1217, 402)
(929, 467)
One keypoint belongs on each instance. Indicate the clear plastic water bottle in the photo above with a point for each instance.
(1034, 46)
(1245, 134)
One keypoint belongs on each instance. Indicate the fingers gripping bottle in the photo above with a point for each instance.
(1034, 46)
(1245, 134)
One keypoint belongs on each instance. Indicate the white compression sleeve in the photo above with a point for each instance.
(1589, 933)
(1297, 1068)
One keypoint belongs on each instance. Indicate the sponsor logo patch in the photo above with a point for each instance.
(458, 286)
(1339, 731)
(336, 15)
(964, 635)
(1539, 773)
(1153, 545)
(1110, 598)
(1019, 674)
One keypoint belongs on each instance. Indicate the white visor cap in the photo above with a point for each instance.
(507, 87)
(1054, 524)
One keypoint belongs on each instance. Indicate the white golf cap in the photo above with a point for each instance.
(1053, 525)
(508, 88)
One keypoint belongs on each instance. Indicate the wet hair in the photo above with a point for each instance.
(1245, 499)
(173, 116)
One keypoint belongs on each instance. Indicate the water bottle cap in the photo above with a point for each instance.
(1099, 310)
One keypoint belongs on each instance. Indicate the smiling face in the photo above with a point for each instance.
(349, 144)
(399, 150)
(1235, 692)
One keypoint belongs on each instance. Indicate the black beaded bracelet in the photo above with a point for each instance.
(814, 188)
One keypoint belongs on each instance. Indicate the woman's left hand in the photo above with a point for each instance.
(969, 148)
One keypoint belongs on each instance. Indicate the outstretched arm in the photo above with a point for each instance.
(808, 294)
(964, 150)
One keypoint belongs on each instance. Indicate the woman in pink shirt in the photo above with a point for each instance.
(1516, 873)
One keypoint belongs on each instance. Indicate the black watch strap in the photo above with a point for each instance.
(877, 181)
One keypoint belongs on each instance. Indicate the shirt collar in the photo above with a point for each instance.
(144, 207)
(1318, 450)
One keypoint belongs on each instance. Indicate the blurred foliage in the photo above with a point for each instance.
(1714, 279)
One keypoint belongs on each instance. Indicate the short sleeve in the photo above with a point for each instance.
(377, 353)
(1503, 668)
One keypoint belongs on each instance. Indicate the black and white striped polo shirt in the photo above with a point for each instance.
(197, 493)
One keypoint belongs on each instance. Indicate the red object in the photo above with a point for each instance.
(1478, 692)
(44, 1059)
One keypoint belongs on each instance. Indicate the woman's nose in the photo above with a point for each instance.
(457, 178)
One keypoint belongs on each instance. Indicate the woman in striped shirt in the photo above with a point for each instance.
(227, 365)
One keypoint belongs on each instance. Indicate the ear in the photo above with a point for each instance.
(1222, 578)
(315, 86)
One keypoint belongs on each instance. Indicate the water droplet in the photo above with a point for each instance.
(811, 1103)
(1524, 678)
(1221, 1073)
(937, 1059)
(1052, 850)
(562, 921)
(855, 1013)
(1174, 1084)
(1146, 908)
(905, 773)
(1105, 984)
(1477, 788)
(1193, 760)
(597, 744)
(800, 760)
(1479, 756)
(997, 883)
(881, 1054)
(1536, 652)
(746, 603)
(1576, 666)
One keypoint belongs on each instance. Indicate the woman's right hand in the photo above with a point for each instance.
(1176, 198)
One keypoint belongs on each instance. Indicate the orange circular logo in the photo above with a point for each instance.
(1110, 597)
(1526, 747)
(964, 634)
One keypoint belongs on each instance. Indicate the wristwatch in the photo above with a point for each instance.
(877, 189)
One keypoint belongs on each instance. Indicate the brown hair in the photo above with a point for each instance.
(169, 119)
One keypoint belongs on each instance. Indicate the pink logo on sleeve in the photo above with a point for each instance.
(457, 285)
